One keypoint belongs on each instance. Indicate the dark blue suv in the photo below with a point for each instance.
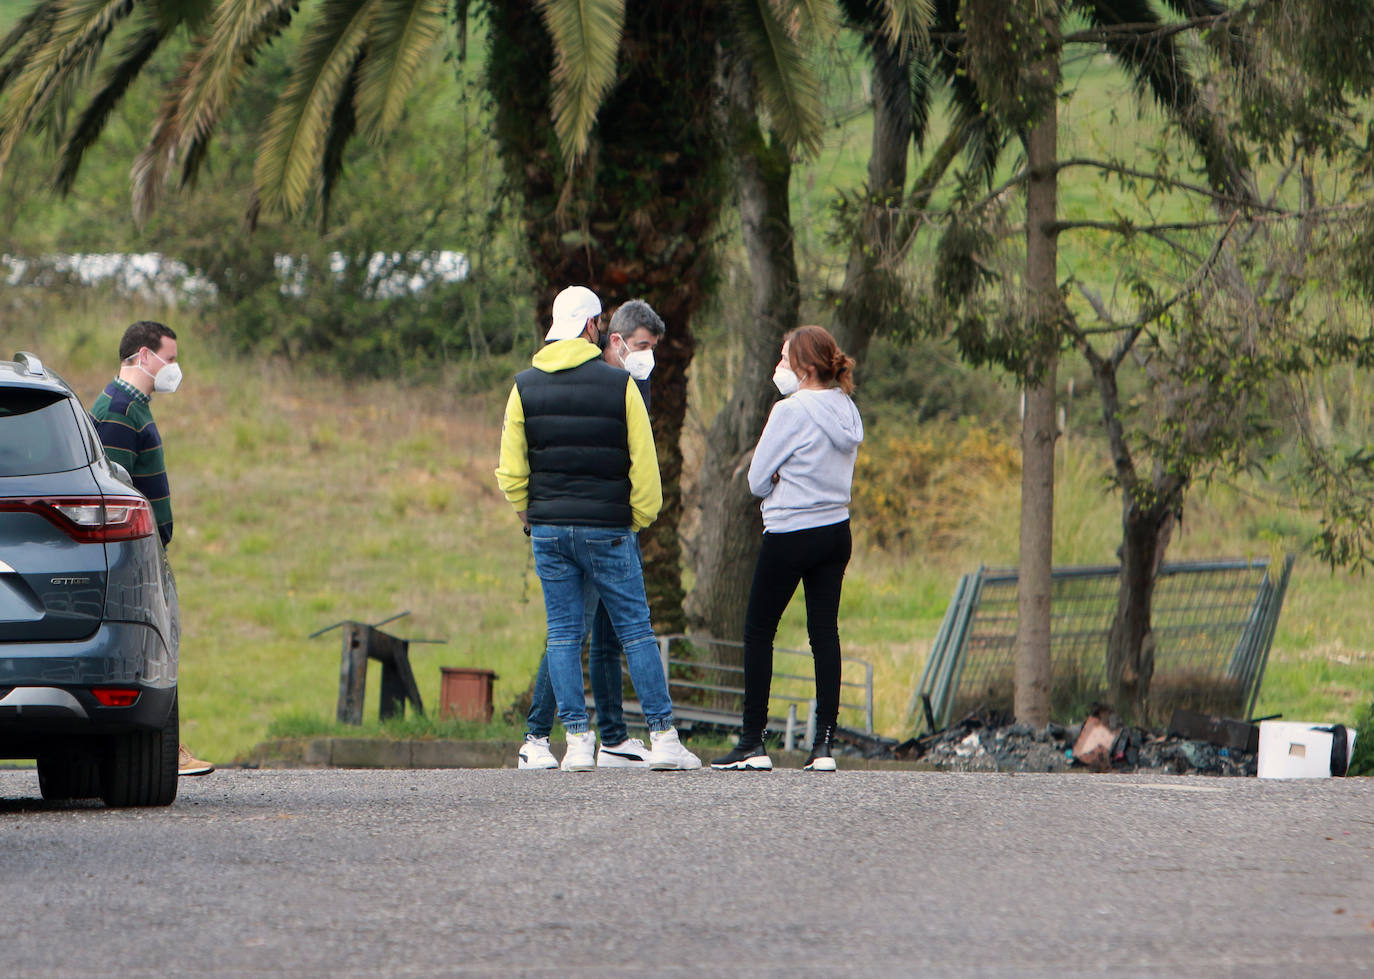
(89, 623)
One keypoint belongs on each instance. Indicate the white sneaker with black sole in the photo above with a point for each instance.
(630, 753)
(581, 753)
(668, 754)
(535, 753)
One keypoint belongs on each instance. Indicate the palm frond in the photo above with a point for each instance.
(907, 23)
(341, 130)
(402, 34)
(91, 122)
(1230, 41)
(193, 158)
(922, 95)
(195, 15)
(199, 93)
(239, 29)
(586, 40)
(790, 89)
(289, 153)
(72, 46)
(816, 20)
(1158, 68)
(31, 31)
(979, 134)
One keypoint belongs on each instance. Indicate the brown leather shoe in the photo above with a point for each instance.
(189, 764)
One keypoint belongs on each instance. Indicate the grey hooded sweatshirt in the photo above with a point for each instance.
(811, 441)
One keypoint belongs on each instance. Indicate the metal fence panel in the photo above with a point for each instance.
(1213, 623)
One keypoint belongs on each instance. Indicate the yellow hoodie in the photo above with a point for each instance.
(513, 472)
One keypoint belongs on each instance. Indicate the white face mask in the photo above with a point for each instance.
(786, 380)
(166, 380)
(640, 364)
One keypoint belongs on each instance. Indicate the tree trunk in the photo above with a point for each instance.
(1145, 535)
(636, 218)
(731, 527)
(1039, 426)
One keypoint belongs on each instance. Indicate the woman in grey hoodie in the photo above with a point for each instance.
(803, 467)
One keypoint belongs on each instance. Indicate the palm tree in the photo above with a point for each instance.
(620, 193)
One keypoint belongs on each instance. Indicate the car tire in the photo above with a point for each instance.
(66, 775)
(140, 768)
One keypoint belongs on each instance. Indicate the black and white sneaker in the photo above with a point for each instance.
(749, 755)
(822, 757)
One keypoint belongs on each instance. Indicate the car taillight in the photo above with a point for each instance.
(115, 696)
(91, 519)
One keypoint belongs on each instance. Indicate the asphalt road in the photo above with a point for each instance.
(637, 873)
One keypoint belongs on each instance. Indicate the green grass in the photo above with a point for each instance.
(412, 727)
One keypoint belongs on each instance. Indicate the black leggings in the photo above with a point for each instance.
(816, 557)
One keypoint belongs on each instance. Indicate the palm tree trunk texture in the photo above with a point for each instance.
(637, 218)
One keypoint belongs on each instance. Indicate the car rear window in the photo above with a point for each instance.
(38, 433)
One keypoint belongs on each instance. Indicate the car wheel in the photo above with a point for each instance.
(68, 775)
(140, 768)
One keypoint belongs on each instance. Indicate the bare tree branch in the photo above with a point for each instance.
(1156, 177)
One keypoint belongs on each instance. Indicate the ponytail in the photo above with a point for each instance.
(815, 351)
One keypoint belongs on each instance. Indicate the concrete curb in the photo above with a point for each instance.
(382, 753)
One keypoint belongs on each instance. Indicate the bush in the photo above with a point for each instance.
(1362, 760)
(923, 489)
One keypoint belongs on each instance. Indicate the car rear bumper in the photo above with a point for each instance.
(45, 687)
(118, 653)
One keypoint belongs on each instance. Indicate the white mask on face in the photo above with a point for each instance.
(786, 380)
(640, 364)
(166, 380)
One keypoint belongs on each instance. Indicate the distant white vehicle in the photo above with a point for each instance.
(154, 276)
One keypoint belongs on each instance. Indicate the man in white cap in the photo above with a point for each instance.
(579, 466)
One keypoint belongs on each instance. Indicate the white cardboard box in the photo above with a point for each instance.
(1293, 749)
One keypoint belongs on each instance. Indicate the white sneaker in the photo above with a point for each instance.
(668, 754)
(628, 754)
(535, 753)
(581, 753)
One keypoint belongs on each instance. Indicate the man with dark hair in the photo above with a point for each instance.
(123, 418)
(578, 465)
(629, 343)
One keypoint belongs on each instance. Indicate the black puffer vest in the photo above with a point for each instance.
(578, 445)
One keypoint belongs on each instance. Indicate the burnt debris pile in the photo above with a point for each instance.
(991, 742)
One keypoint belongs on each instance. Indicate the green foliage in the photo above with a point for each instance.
(1012, 58)
(903, 382)
(1362, 758)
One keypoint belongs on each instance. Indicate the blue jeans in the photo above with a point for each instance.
(568, 559)
(603, 663)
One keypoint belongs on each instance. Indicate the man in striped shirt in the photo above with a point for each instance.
(123, 417)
